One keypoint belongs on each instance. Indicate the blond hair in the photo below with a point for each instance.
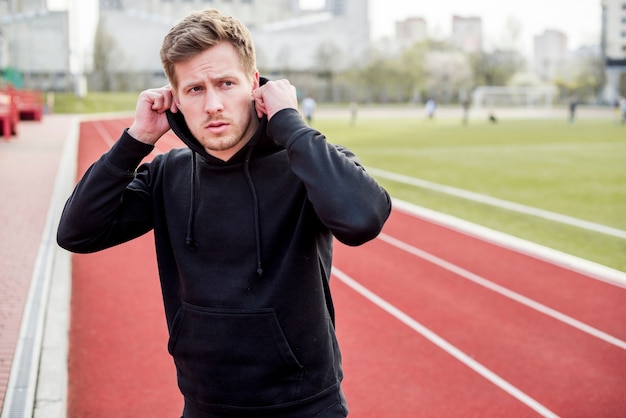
(201, 30)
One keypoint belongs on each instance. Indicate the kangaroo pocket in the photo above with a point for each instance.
(233, 357)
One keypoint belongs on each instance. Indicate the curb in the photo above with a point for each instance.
(37, 385)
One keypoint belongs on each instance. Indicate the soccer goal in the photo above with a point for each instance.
(493, 96)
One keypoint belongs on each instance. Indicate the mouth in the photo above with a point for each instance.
(217, 127)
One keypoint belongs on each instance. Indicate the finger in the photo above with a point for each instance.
(168, 98)
(260, 107)
(157, 105)
(161, 101)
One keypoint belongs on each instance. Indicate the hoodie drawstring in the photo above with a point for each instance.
(189, 241)
(255, 204)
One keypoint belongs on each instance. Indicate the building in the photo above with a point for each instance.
(47, 48)
(329, 39)
(467, 34)
(550, 55)
(9, 7)
(133, 30)
(253, 13)
(288, 40)
(57, 50)
(613, 46)
(36, 45)
(411, 30)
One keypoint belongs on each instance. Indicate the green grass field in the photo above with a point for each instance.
(95, 102)
(576, 170)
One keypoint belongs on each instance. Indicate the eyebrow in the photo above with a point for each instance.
(198, 81)
(190, 83)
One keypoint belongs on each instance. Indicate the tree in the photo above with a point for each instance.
(447, 74)
(496, 68)
(327, 59)
(586, 80)
(413, 64)
(107, 58)
(510, 38)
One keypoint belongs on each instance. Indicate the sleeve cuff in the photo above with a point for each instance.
(127, 153)
(284, 124)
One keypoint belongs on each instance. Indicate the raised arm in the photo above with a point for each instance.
(103, 210)
(345, 197)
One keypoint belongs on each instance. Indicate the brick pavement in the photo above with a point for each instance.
(28, 168)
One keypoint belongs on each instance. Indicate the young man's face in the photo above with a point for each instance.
(215, 95)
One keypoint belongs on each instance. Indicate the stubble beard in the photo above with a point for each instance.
(219, 142)
(234, 135)
(222, 142)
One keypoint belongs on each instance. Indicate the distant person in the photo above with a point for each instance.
(244, 219)
(466, 105)
(622, 107)
(431, 107)
(354, 109)
(50, 102)
(616, 109)
(572, 110)
(308, 108)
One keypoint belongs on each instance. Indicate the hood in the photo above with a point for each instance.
(259, 144)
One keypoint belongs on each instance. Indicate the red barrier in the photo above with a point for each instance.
(29, 104)
(17, 105)
(9, 114)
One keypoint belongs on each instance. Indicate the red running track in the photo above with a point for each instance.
(432, 323)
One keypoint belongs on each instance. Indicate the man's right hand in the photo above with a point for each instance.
(150, 122)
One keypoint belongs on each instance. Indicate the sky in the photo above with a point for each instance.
(580, 20)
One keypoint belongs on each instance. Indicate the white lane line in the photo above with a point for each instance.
(443, 344)
(552, 256)
(505, 204)
(503, 291)
(108, 139)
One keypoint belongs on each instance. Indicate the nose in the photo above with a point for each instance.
(212, 103)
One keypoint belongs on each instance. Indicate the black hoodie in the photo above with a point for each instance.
(244, 251)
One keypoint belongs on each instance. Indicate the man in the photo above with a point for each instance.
(243, 222)
(308, 107)
(431, 106)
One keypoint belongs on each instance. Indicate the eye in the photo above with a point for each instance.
(228, 83)
(195, 89)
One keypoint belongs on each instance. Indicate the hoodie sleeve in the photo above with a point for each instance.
(345, 197)
(103, 210)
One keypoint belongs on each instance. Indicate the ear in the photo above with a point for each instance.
(175, 98)
(255, 82)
